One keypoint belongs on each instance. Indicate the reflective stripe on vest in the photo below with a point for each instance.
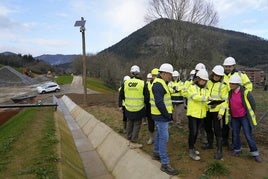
(167, 98)
(249, 110)
(134, 99)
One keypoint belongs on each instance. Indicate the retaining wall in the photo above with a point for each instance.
(113, 149)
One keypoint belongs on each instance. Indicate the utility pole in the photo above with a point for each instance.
(81, 24)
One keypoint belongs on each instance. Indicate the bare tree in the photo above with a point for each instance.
(183, 44)
(195, 11)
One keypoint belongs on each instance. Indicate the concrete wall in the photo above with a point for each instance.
(113, 149)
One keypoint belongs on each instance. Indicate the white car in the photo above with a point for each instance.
(48, 87)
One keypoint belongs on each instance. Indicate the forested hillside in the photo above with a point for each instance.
(182, 44)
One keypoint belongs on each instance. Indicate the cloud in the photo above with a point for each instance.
(4, 11)
(234, 7)
(126, 15)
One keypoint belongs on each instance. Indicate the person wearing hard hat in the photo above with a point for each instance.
(199, 66)
(176, 87)
(218, 91)
(151, 123)
(123, 110)
(240, 112)
(135, 95)
(198, 96)
(229, 67)
(202, 133)
(161, 110)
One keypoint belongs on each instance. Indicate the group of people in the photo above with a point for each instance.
(212, 102)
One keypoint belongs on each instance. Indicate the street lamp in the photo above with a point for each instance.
(81, 24)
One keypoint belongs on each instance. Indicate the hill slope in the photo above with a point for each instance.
(57, 59)
(191, 41)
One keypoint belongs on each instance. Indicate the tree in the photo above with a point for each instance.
(180, 36)
(195, 11)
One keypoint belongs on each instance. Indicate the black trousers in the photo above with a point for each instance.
(213, 126)
(193, 125)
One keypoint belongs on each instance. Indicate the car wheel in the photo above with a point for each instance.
(43, 92)
(57, 90)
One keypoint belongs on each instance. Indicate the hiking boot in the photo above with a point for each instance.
(193, 155)
(168, 169)
(258, 159)
(156, 156)
(207, 146)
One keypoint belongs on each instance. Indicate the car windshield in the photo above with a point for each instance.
(47, 84)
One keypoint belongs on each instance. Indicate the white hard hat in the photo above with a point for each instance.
(200, 66)
(175, 73)
(192, 72)
(126, 78)
(218, 70)
(235, 79)
(203, 74)
(149, 75)
(229, 61)
(166, 67)
(135, 69)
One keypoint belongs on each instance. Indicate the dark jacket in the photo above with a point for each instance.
(159, 92)
(139, 114)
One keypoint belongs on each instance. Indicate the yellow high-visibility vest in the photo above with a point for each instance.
(134, 98)
(167, 98)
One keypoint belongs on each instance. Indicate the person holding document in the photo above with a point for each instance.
(218, 91)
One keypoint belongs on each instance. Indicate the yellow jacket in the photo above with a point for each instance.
(197, 101)
(218, 91)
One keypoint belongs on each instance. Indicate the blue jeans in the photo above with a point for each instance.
(243, 122)
(161, 140)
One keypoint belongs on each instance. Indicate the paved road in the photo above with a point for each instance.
(9, 92)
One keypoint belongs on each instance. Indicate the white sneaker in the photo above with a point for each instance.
(196, 152)
(193, 155)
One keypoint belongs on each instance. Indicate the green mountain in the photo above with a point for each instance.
(184, 44)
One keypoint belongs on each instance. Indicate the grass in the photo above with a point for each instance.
(33, 145)
(97, 85)
(216, 169)
(64, 79)
(28, 145)
(178, 145)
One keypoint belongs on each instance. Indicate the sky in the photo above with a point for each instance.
(47, 26)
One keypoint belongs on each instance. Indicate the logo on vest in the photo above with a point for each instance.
(132, 84)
